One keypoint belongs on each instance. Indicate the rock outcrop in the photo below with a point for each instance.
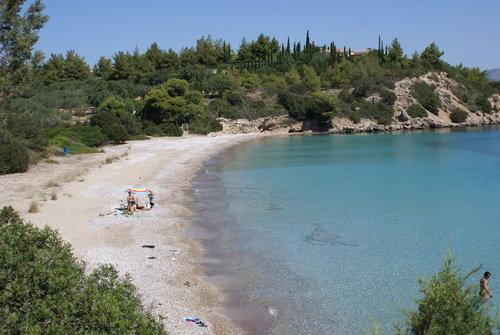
(275, 124)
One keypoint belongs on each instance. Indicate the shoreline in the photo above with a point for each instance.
(174, 284)
(169, 278)
(210, 227)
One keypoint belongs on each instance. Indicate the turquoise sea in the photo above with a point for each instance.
(329, 234)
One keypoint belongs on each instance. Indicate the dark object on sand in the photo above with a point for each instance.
(320, 235)
(152, 257)
(195, 320)
(150, 246)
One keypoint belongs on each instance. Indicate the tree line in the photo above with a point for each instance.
(47, 103)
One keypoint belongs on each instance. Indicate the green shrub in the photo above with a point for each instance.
(169, 129)
(458, 115)
(44, 289)
(235, 98)
(484, 104)
(385, 82)
(346, 96)
(378, 111)
(383, 113)
(249, 80)
(461, 94)
(14, 157)
(322, 107)
(28, 127)
(362, 88)
(104, 119)
(426, 96)
(295, 105)
(204, 123)
(217, 84)
(89, 135)
(139, 137)
(117, 134)
(130, 122)
(75, 147)
(416, 110)
(355, 116)
(388, 97)
(222, 108)
(310, 79)
(298, 88)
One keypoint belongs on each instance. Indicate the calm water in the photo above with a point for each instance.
(330, 233)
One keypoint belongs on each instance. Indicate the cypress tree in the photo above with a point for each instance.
(308, 43)
(345, 53)
(333, 53)
(224, 52)
(350, 55)
(288, 45)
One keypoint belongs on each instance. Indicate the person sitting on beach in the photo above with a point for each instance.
(151, 199)
(484, 287)
(131, 203)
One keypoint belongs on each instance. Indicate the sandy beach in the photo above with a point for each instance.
(88, 189)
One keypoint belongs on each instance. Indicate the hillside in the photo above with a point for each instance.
(447, 89)
(493, 75)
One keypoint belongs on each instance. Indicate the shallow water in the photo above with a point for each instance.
(330, 233)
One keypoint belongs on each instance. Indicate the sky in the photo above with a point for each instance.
(467, 30)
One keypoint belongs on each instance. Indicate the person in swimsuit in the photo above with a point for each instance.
(484, 290)
(131, 203)
(151, 199)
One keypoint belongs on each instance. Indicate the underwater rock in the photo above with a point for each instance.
(321, 235)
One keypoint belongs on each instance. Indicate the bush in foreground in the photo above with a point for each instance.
(44, 290)
(448, 306)
(458, 115)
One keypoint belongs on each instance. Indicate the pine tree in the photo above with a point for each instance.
(395, 53)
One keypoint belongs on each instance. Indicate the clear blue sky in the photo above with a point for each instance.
(467, 30)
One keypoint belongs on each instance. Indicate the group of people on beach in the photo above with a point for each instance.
(133, 202)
